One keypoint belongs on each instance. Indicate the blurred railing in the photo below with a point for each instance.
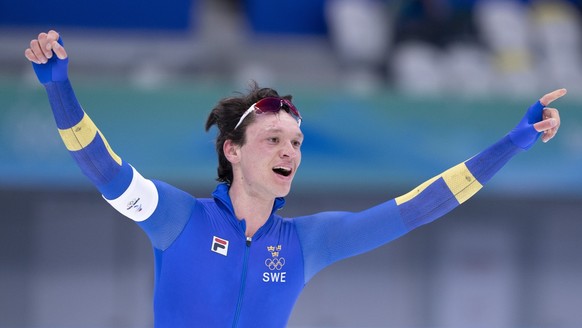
(383, 138)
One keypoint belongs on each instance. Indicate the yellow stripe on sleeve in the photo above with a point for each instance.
(461, 182)
(459, 179)
(413, 193)
(113, 154)
(82, 134)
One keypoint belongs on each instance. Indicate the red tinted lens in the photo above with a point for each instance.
(292, 109)
(273, 105)
(268, 105)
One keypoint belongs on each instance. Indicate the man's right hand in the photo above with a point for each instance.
(48, 68)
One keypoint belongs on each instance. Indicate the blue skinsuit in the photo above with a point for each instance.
(207, 273)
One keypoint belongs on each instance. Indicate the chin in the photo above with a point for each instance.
(283, 191)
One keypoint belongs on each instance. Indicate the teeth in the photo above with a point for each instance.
(282, 170)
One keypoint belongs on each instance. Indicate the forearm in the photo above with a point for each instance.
(86, 143)
(441, 194)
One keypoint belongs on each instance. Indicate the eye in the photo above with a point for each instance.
(296, 144)
(273, 140)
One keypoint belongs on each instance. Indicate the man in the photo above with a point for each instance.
(230, 260)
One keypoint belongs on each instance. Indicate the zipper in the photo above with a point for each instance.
(243, 280)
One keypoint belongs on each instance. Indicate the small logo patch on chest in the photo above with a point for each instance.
(219, 246)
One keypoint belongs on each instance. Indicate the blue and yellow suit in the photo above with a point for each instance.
(207, 273)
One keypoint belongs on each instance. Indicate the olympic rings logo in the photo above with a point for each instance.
(276, 263)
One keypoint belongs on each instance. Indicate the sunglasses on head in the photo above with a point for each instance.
(271, 105)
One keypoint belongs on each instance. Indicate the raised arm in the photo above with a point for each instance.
(86, 144)
(332, 236)
(140, 199)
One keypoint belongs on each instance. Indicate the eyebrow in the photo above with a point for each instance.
(279, 130)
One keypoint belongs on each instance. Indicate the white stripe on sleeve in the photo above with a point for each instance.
(140, 199)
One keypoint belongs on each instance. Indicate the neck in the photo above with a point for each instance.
(253, 209)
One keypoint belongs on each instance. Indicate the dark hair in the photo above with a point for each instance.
(226, 114)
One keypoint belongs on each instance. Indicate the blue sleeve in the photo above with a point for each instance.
(85, 142)
(170, 216)
(331, 236)
(96, 159)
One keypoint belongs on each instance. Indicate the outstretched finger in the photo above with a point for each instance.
(549, 97)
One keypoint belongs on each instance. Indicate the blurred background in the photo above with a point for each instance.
(392, 93)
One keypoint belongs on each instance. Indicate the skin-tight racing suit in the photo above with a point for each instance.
(207, 273)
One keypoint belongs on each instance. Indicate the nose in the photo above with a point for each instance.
(288, 151)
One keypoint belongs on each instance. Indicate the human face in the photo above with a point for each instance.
(269, 159)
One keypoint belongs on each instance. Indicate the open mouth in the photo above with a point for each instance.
(284, 171)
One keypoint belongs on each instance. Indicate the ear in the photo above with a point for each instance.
(231, 151)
